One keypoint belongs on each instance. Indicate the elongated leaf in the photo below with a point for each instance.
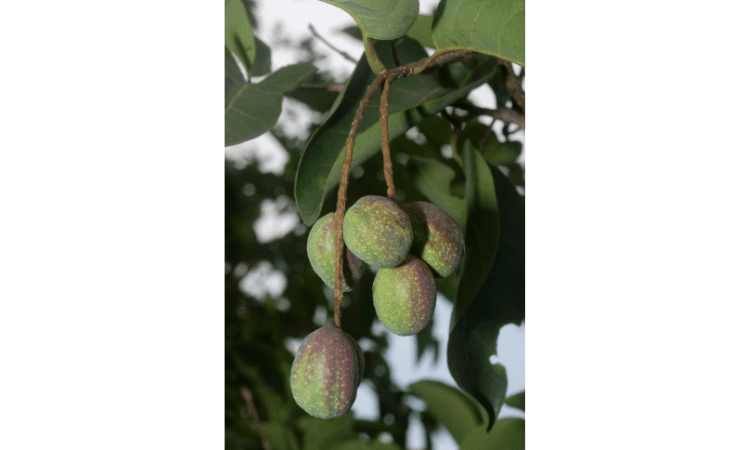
(262, 63)
(256, 107)
(517, 401)
(478, 317)
(506, 434)
(233, 79)
(238, 34)
(319, 170)
(382, 19)
(493, 27)
(458, 412)
(323, 433)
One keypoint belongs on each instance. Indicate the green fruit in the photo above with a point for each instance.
(438, 240)
(404, 296)
(326, 373)
(321, 251)
(377, 231)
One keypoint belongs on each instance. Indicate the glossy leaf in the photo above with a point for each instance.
(319, 170)
(233, 79)
(323, 433)
(421, 31)
(262, 63)
(506, 434)
(477, 319)
(517, 401)
(238, 33)
(382, 19)
(458, 412)
(256, 107)
(493, 27)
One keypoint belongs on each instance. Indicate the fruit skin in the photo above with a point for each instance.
(326, 373)
(438, 239)
(377, 231)
(321, 251)
(404, 296)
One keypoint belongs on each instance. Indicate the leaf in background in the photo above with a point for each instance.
(500, 300)
(262, 63)
(233, 78)
(517, 401)
(323, 433)
(319, 170)
(238, 34)
(495, 152)
(356, 444)
(493, 27)
(458, 412)
(506, 434)
(256, 107)
(421, 31)
(352, 31)
(383, 19)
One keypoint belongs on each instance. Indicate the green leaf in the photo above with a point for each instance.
(458, 412)
(256, 107)
(319, 169)
(421, 31)
(233, 79)
(426, 340)
(506, 434)
(356, 444)
(262, 63)
(495, 152)
(323, 433)
(478, 317)
(517, 401)
(382, 19)
(493, 27)
(238, 34)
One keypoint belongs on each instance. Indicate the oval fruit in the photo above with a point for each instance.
(377, 231)
(438, 239)
(321, 251)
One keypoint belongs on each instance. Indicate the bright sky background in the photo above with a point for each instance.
(293, 18)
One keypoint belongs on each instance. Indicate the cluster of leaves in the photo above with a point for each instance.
(477, 183)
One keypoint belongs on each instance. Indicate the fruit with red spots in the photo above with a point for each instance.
(377, 231)
(438, 239)
(321, 251)
(404, 296)
(326, 373)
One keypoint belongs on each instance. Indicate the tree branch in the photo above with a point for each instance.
(513, 85)
(248, 397)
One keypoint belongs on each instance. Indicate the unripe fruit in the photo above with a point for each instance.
(404, 296)
(377, 231)
(438, 240)
(326, 373)
(321, 251)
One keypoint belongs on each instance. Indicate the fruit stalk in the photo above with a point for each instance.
(341, 201)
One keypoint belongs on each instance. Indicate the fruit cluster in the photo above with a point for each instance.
(409, 246)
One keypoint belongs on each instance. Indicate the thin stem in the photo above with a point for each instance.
(248, 397)
(340, 52)
(341, 201)
(323, 87)
(387, 164)
(513, 85)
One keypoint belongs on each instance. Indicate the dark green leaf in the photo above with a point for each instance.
(495, 152)
(421, 31)
(384, 19)
(506, 434)
(238, 34)
(517, 401)
(256, 107)
(319, 170)
(233, 79)
(425, 341)
(458, 412)
(476, 321)
(323, 433)
(493, 27)
(353, 31)
(262, 63)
